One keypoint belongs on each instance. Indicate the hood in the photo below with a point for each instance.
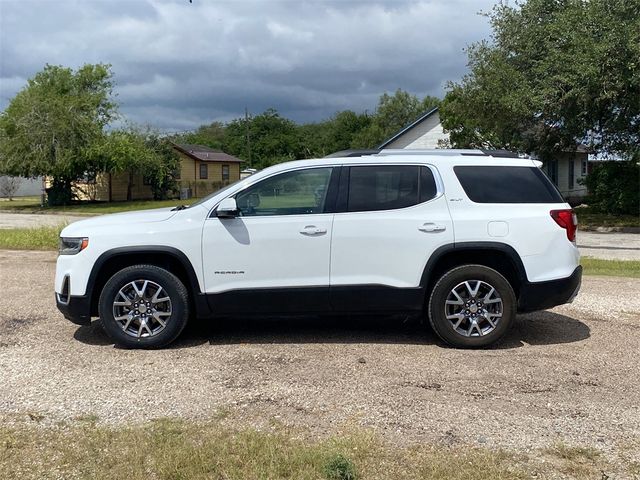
(83, 227)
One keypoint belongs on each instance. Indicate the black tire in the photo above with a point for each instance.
(443, 290)
(175, 316)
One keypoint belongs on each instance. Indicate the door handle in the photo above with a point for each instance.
(432, 227)
(313, 230)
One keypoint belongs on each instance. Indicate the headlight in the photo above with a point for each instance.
(71, 246)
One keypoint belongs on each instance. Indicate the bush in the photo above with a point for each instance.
(340, 468)
(614, 188)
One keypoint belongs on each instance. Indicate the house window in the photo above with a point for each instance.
(584, 168)
(204, 171)
(225, 173)
(553, 171)
(176, 174)
(572, 173)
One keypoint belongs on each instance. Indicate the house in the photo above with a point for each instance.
(565, 171)
(204, 170)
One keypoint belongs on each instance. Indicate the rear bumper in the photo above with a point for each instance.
(76, 309)
(543, 295)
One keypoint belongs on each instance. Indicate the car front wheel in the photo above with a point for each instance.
(472, 306)
(143, 306)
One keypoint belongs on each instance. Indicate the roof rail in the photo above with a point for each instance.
(353, 153)
(441, 152)
(436, 151)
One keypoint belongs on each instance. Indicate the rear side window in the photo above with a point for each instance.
(389, 187)
(496, 184)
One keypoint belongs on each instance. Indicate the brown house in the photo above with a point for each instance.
(203, 170)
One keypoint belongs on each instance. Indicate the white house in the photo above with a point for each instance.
(427, 133)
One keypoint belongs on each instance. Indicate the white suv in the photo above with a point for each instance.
(464, 237)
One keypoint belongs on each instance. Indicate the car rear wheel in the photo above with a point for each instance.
(472, 306)
(144, 306)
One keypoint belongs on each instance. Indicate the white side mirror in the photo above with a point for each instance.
(227, 208)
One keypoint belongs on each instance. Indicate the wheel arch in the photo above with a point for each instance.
(116, 259)
(499, 256)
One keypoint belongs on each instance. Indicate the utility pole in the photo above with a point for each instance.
(248, 137)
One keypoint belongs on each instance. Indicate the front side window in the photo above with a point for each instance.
(204, 171)
(389, 187)
(299, 192)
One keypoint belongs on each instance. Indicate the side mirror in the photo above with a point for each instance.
(227, 208)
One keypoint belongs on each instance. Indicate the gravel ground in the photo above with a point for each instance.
(34, 220)
(567, 374)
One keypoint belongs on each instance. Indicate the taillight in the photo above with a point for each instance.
(566, 219)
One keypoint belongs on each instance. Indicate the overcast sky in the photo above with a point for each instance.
(178, 65)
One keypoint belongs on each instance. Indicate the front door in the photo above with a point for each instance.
(274, 256)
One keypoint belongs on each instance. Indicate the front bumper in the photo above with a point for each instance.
(76, 309)
(543, 295)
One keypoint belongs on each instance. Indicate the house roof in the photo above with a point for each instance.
(205, 154)
(409, 127)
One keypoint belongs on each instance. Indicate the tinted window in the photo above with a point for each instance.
(290, 193)
(389, 187)
(488, 184)
(428, 188)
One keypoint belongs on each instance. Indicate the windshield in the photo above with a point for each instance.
(218, 192)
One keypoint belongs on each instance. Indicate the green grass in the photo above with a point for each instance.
(42, 238)
(32, 205)
(171, 450)
(588, 218)
(614, 268)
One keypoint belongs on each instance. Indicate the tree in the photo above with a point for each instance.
(556, 73)
(271, 139)
(337, 133)
(163, 177)
(9, 186)
(211, 135)
(129, 151)
(394, 112)
(50, 123)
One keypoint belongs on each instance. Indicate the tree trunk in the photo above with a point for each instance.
(60, 192)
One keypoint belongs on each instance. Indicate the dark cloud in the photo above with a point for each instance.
(178, 65)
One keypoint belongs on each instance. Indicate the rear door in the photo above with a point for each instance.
(389, 220)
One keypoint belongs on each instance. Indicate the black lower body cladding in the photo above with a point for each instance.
(543, 295)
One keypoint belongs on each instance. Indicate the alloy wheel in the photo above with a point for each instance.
(142, 308)
(473, 308)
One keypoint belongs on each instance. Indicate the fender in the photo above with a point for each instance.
(465, 246)
(200, 303)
